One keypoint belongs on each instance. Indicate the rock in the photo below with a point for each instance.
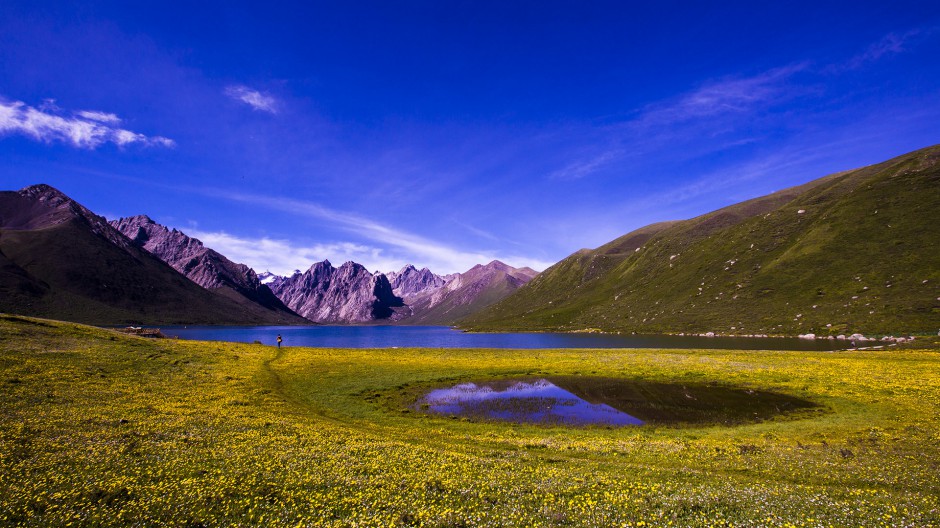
(204, 266)
(410, 282)
(348, 294)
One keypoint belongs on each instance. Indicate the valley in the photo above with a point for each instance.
(100, 428)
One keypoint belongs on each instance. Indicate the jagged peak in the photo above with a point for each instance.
(136, 219)
(407, 267)
(323, 264)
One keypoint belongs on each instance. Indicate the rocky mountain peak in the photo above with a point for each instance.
(410, 281)
(41, 206)
(200, 264)
(348, 294)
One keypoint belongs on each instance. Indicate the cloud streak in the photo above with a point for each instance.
(728, 96)
(581, 168)
(397, 247)
(890, 44)
(253, 98)
(281, 257)
(84, 129)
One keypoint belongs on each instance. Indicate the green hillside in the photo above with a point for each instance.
(853, 251)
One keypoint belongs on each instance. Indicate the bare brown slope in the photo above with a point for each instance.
(204, 266)
(63, 262)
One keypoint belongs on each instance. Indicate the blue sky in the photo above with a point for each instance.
(446, 134)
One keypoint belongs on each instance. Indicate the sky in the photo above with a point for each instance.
(446, 134)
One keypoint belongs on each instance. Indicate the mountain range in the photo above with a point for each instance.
(856, 250)
(204, 266)
(60, 260)
(853, 251)
(433, 300)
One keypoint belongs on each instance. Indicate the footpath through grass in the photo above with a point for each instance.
(98, 428)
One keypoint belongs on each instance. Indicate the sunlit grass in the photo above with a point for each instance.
(98, 428)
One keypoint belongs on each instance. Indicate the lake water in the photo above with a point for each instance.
(446, 337)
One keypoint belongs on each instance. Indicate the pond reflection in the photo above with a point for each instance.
(538, 401)
(576, 400)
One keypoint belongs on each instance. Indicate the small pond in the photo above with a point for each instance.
(577, 400)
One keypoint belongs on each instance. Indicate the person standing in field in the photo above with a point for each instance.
(279, 340)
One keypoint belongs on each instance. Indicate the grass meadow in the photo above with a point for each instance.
(99, 428)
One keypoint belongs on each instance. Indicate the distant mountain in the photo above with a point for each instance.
(204, 266)
(348, 294)
(430, 302)
(410, 282)
(266, 277)
(854, 251)
(60, 260)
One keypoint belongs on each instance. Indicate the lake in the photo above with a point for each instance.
(446, 337)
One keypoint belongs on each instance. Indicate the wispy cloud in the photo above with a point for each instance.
(282, 257)
(580, 168)
(101, 117)
(715, 109)
(253, 98)
(735, 95)
(396, 245)
(84, 129)
(890, 44)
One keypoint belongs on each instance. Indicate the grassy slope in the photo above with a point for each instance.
(100, 428)
(67, 272)
(860, 258)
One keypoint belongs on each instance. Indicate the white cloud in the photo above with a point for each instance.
(395, 247)
(101, 117)
(85, 129)
(253, 98)
(281, 257)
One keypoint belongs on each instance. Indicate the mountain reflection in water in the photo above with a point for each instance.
(538, 401)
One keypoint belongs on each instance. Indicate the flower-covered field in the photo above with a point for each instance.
(98, 428)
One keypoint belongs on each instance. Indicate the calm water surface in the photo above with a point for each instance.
(446, 337)
(538, 401)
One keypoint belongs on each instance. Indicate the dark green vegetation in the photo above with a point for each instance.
(59, 260)
(98, 428)
(851, 252)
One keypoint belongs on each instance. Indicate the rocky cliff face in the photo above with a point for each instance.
(202, 265)
(410, 282)
(348, 294)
